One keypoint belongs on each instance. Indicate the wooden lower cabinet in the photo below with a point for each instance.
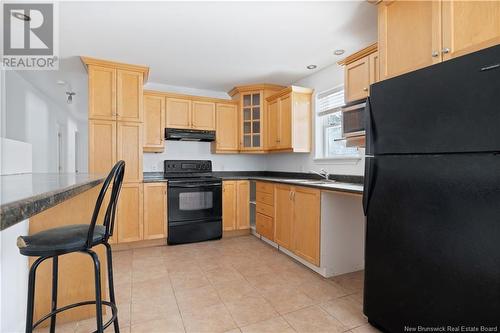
(298, 221)
(235, 205)
(264, 218)
(129, 217)
(306, 224)
(155, 210)
(283, 215)
(265, 226)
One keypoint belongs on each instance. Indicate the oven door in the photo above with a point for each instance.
(353, 120)
(191, 201)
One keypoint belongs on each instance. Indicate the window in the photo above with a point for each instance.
(329, 142)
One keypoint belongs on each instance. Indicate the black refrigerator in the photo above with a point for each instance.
(432, 197)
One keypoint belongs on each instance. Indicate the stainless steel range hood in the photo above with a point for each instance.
(176, 134)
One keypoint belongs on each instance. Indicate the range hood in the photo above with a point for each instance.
(176, 134)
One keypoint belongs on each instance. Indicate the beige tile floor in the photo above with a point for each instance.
(233, 285)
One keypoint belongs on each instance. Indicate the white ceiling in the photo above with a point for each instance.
(216, 45)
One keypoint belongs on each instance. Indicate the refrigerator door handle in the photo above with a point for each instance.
(370, 133)
(368, 182)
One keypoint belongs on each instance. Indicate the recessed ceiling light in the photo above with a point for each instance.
(21, 16)
(311, 67)
(339, 52)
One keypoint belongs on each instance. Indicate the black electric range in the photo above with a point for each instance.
(194, 201)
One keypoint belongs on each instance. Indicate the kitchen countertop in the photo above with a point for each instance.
(25, 195)
(338, 183)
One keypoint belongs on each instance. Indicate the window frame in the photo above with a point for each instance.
(321, 138)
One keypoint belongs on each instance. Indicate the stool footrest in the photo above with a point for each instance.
(114, 311)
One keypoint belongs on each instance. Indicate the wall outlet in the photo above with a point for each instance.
(154, 167)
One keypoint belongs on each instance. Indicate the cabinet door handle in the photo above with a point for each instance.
(365, 89)
(446, 50)
(435, 54)
(290, 195)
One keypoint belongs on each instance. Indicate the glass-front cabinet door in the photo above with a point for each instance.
(252, 115)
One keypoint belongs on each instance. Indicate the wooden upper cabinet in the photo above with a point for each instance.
(307, 224)
(102, 145)
(374, 63)
(285, 122)
(243, 205)
(273, 124)
(227, 128)
(229, 204)
(102, 92)
(289, 120)
(154, 122)
(129, 95)
(409, 36)
(178, 113)
(252, 120)
(155, 210)
(357, 79)
(283, 215)
(469, 26)
(203, 115)
(129, 222)
(129, 149)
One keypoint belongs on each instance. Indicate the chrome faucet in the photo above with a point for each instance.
(323, 173)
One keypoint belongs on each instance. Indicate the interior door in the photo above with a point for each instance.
(283, 215)
(432, 222)
(409, 36)
(469, 26)
(129, 95)
(306, 224)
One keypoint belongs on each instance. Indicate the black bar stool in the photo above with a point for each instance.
(55, 242)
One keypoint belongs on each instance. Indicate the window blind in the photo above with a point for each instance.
(330, 101)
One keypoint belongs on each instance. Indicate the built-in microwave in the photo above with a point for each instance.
(353, 120)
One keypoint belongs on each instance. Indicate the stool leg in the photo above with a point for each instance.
(55, 271)
(31, 294)
(111, 284)
(98, 295)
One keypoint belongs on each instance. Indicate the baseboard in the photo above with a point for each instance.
(139, 244)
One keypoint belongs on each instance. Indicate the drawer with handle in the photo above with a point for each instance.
(265, 198)
(265, 226)
(265, 187)
(265, 209)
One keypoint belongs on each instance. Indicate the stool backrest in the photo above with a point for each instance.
(114, 177)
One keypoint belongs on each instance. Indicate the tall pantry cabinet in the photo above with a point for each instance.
(116, 133)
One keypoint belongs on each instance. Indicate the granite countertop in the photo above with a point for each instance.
(339, 183)
(25, 195)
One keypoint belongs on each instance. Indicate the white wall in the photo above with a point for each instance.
(320, 81)
(16, 158)
(186, 90)
(184, 150)
(32, 116)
